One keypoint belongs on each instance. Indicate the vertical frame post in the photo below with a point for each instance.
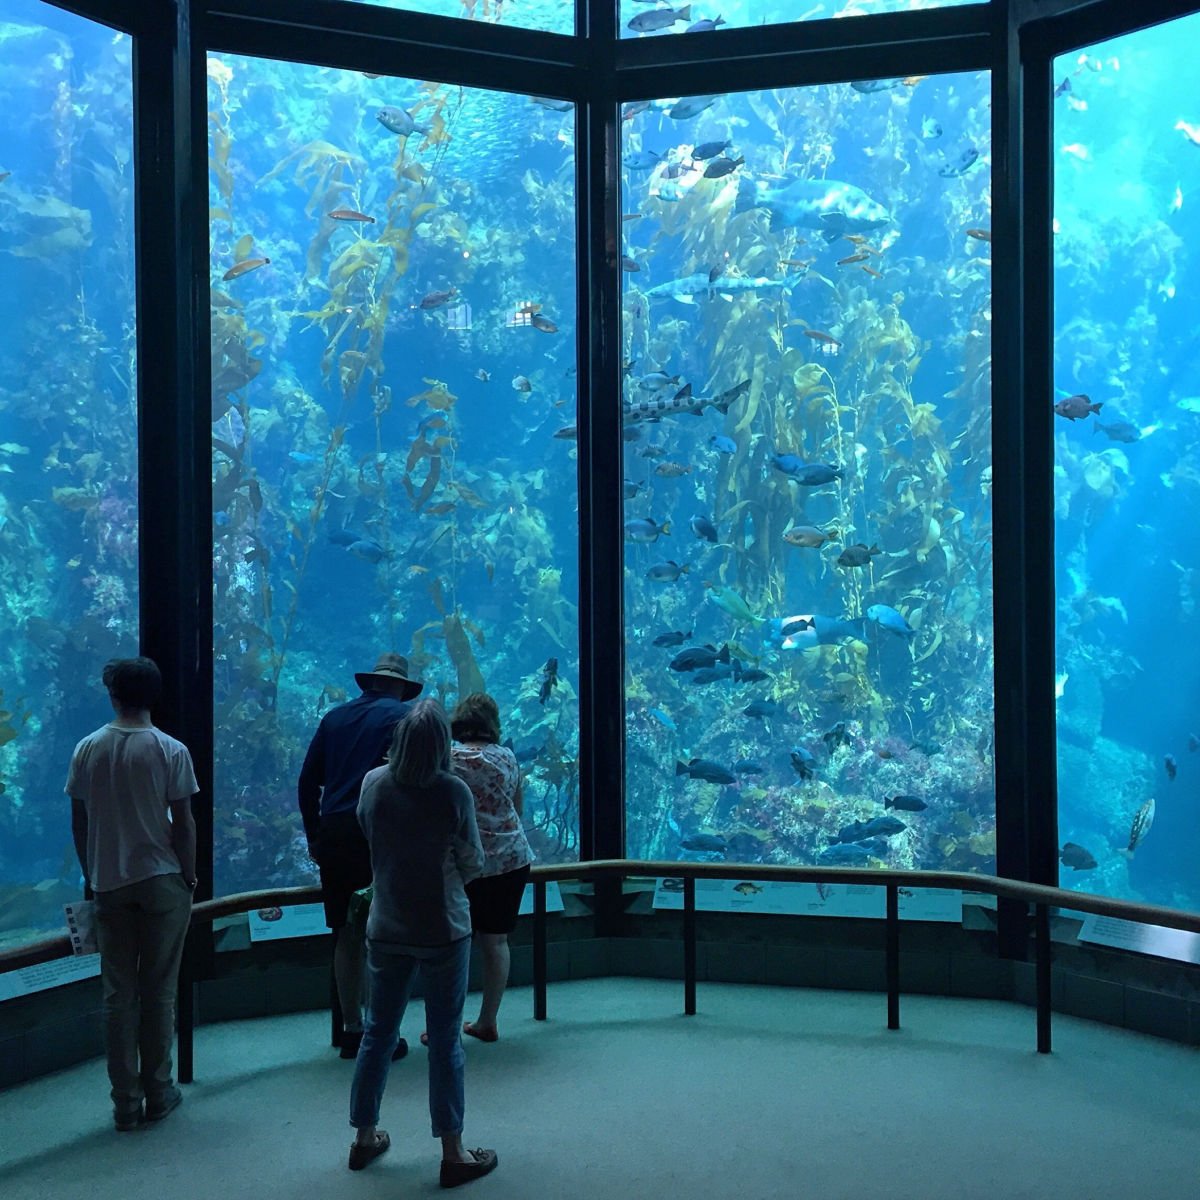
(689, 946)
(892, 952)
(539, 949)
(1044, 976)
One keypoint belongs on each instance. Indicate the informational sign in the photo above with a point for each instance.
(554, 900)
(81, 927)
(48, 975)
(294, 921)
(1177, 944)
(810, 899)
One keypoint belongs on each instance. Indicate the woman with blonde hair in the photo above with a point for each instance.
(491, 772)
(419, 821)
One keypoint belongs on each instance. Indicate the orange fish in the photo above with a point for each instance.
(543, 324)
(244, 268)
(872, 271)
(853, 258)
(913, 80)
(350, 214)
(984, 235)
(818, 336)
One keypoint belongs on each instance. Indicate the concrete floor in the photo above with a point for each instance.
(767, 1092)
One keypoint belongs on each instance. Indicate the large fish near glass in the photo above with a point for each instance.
(637, 411)
(686, 290)
(834, 208)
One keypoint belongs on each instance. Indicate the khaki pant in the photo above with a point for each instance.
(141, 930)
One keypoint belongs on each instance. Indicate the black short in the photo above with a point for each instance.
(495, 900)
(345, 865)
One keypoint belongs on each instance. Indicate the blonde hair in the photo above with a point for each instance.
(420, 749)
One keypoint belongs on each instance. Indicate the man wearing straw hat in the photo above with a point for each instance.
(351, 740)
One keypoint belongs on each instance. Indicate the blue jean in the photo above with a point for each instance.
(444, 971)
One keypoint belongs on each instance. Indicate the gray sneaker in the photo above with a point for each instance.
(162, 1105)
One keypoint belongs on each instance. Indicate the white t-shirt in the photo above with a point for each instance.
(126, 779)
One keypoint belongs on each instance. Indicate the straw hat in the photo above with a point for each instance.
(388, 669)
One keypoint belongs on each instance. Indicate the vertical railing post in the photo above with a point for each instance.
(185, 1017)
(892, 943)
(539, 949)
(689, 946)
(1042, 936)
(335, 1006)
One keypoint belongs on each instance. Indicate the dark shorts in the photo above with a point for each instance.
(345, 865)
(495, 900)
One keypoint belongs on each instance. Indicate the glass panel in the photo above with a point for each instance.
(393, 353)
(550, 16)
(68, 431)
(1127, 440)
(807, 308)
(640, 20)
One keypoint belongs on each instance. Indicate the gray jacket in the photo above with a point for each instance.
(425, 848)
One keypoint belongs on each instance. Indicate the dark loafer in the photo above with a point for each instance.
(456, 1173)
(360, 1156)
(127, 1119)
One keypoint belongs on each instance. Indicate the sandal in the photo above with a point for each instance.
(456, 1173)
(360, 1155)
(469, 1027)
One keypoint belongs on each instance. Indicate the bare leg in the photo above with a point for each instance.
(348, 956)
(496, 958)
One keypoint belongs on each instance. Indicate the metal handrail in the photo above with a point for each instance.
(1041, 897)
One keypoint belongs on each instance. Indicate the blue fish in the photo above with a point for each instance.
(723, 444)
(961, 165)
(860, 831)
(640, 160)
(343, 537)
(703, 528)
(765, 709)
(825, 204)
(301, 457)
(747, 766)
(704, 841)
(804, 762)
(367, 549)
(888, 618)
(662, 718)
(852, 853)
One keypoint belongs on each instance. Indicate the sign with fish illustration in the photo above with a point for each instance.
(292, 921)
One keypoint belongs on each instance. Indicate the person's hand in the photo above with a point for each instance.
(314, 850)
(88, 894)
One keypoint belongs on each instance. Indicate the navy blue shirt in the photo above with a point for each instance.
(351, 740)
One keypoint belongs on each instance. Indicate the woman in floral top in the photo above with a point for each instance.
(491, 772)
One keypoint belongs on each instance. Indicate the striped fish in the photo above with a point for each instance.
(655, 408)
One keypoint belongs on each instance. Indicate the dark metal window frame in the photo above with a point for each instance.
(1017, 40)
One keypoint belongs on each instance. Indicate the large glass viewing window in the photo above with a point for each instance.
(68, 431)
(393, 366)
(1127, 466)
(806, 314)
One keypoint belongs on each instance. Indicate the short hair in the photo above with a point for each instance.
(133, 682)
(420, 749)
(476, 718)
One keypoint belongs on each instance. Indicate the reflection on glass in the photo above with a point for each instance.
(638, 19)
(68, 431)
(807, 470)
(1127, 467)
(393, 354)
(550, 16)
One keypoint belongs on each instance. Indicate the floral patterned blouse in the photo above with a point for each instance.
(492, 774)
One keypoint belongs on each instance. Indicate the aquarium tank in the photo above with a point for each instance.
(1127, 465)
(68, 431)
(806, 328)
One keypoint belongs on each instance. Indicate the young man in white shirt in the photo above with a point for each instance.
(131, 786)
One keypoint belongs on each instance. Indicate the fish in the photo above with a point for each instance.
(437, 299)
(1076, 857)
(483, 376)
(660, 18)
(367, 549)
(646, 529)
(342, 537)
(667, 572)
(301, 456)
(746, 888)
(794, 625)
(980, 235)
(698, 657)
(834, 208)
(819, 335)
(930, 129)
(706, 769)
(862, 256)
(683, 401)
(350, 214)
(1191, 132)
(759, 710)
(722, 444)
(747, 766)
(905, 803)
(641, 160)
(690, 106)
(521, 384)
(869, 86)
(1063, 88)
(710, 149)
(1118, 431)
(846, 853)
(657, 381)
(809, 536)
(244, 268)
(542, 324)
(729, 601)
(663, 718)
(748, 674)
(960, 165)
(1143, 819)
(704, 25)
(1075, 408)
(399, 121)
(886, 617)
(569, 433)
(835, 737)
(860, 831)
(636, 107)
(549, 102)
(805, 474)
(674, 638)
(720, 167)
(630, 487)
(549, 680)
(672, 470)
(857, 556)
(929, 749)
(703, 528)
(818, 630)
(1193, 742)
(1172, 767)
(630, 265)
(686, 289)
(707, 675)
(804, 762)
